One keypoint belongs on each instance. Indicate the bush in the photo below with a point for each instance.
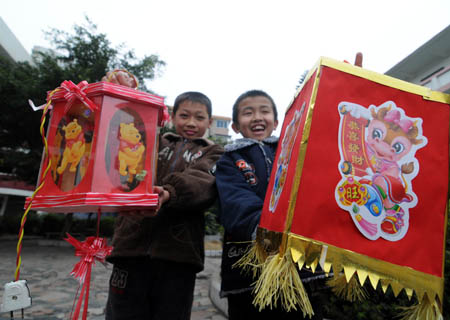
(9, 224)
(107, 226)
(377, 306)
(212, 225)
(52, 222)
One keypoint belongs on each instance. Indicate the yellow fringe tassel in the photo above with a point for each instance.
(280, 281)
(252, 260)
(425, 310)
(351, 291)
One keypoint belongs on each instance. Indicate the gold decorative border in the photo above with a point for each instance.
(425, 92)
(310, 252)
(301, 159)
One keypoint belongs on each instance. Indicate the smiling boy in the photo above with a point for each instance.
(242, 176)
(157, 254)
(256, 117)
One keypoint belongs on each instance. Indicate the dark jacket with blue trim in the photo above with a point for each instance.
(242, 177)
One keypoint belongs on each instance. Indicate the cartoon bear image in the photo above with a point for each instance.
(131, 150)
(75, 146)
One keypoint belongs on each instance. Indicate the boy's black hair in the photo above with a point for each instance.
(251, 94)
(193, 96)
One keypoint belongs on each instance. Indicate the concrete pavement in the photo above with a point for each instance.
(46, 265)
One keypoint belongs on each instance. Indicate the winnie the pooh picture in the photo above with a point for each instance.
(75, 146)
(131, 150)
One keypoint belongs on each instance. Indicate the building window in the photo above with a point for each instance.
(221, 124)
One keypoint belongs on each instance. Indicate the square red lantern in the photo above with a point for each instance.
(360, 181)
(103, 144)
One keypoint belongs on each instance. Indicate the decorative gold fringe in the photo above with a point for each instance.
(252, 260)
(351, 291)
(267, 243)
(424, 310)
(280, 281)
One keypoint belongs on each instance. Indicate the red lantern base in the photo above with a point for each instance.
(92, 202)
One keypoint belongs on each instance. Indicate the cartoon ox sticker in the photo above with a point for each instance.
(377, 147)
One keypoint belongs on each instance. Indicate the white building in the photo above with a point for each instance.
(429, 65)
(10, 47)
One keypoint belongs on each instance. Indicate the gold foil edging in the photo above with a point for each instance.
(383, 79)
(378, 272)
(300, 160)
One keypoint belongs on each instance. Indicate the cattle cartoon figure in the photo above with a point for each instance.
(377, 147)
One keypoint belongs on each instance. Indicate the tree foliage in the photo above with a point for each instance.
(83, 54)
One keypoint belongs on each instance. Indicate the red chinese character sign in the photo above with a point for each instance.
(102, 143)
(359, 186)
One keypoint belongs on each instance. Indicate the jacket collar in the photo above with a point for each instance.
(246, 142)
(176, 137)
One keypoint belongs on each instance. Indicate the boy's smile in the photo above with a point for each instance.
(191, 120)
(256, 119)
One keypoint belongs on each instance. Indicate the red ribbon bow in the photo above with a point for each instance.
(93, 248)
(164, 117)
(74, 91)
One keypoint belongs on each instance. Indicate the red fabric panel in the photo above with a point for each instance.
(317, 215)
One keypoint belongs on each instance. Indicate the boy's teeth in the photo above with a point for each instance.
(258, 128)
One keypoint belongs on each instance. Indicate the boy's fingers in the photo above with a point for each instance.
(358, 59)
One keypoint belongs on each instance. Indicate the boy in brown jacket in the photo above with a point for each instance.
(157, 254)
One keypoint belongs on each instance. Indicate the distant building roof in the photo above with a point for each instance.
(10, 47)
(424, 58)
(9, 185)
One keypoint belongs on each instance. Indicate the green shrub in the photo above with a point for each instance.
(107, 226)
(10, 224)
(52, 222)
(212, 226)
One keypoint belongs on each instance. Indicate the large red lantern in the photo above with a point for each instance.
(102, 143)
(359, 186)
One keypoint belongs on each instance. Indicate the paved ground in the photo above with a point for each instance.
(46, 268)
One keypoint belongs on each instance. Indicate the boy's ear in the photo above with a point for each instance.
(275, 125)
(210, 122)
(235, 127)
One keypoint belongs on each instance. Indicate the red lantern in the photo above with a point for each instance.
(359, 185)
(102, 143)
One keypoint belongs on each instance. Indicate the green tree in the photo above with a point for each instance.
(83, 54)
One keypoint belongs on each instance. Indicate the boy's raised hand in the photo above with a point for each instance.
(121, 77)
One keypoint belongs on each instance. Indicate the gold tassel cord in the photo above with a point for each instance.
(280, 281)
(267, 243)
(425, 310)
(252, 260)
(351, 291)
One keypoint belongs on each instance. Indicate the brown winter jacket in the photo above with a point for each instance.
(176, 233)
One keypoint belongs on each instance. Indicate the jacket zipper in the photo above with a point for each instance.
(177, 155)
(267, 159)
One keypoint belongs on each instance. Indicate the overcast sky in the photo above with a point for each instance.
(223, 48)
